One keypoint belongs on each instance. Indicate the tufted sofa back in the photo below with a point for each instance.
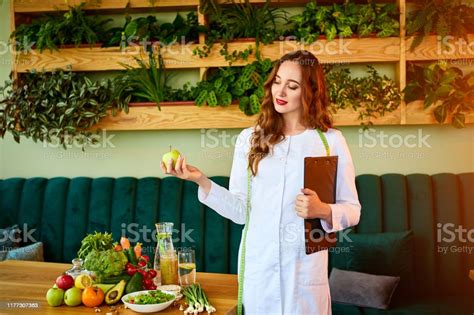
(60, 211)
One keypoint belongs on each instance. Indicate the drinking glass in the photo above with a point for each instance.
(186, 267)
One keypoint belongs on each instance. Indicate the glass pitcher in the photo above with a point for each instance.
(166, 253)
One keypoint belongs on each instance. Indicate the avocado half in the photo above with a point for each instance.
(114, 294)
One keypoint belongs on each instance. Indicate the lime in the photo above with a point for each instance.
(185, 268)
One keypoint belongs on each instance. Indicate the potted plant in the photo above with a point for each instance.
(149, 29)
(441, 17)
(446, 88)
(245, 84)
(60, 30)
(234, 21)
(147, 85)
(371, 96)
(345, 20)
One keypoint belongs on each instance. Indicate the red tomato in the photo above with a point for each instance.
(145, 257)
(152, 287)
(143, 272)
(131, 270)
(147, 283)
(141, 263)
(152, 273)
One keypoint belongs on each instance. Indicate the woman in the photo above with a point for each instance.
(279, 277)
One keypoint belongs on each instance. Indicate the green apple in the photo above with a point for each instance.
(171, 155)
(73, 297)
(55, 296)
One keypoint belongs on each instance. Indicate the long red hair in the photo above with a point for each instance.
(269, 125)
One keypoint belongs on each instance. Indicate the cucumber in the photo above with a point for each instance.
(115, 279)
(131, 256)
(135, 283)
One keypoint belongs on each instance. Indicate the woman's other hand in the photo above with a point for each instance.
(309, 206)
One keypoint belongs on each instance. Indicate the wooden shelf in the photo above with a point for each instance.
(178, 117)
(416, 115)
(432, 49)
(181, 57)
(194, 117)
(36, 6)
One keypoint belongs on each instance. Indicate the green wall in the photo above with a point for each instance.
(138, 153)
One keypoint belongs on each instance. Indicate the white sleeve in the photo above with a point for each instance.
(231, 203)
(346, 210)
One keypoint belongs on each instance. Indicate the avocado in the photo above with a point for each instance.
(135, 283)
(114, 294)
(104, 287)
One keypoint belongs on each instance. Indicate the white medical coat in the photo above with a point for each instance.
(279, 277)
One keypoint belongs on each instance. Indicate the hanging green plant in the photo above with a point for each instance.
(371, 96)
(441, 17)
(51, 31)
(446, 88)
(54, 107)
(345, 20)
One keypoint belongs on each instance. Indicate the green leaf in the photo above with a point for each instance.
(459, 120)
(440, 113)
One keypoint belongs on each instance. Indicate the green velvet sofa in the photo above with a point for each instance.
(60, 211)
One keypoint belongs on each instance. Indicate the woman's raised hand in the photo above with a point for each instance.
(182, 170)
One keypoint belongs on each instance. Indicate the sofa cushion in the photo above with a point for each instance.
(32, 252)
(389, 254)
(362, 289)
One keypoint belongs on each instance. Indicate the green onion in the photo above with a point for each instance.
(197, 300)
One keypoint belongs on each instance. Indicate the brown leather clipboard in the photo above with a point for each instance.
(320, 175)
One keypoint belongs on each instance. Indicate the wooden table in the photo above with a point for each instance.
(23, 287)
